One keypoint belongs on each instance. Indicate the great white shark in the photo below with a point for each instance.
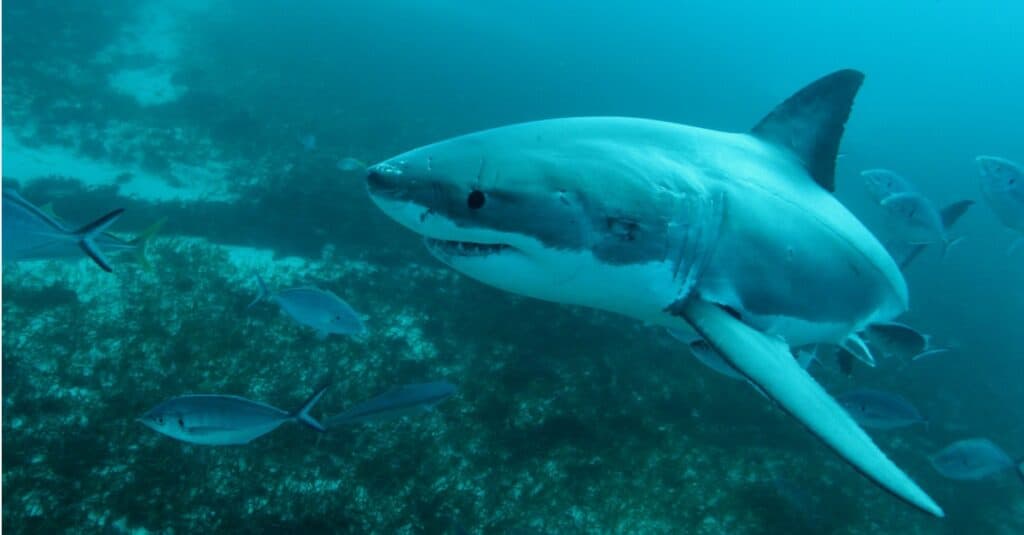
(732, 237)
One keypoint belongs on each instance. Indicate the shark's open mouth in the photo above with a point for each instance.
(464, 248)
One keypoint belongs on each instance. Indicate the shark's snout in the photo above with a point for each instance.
(383, 179)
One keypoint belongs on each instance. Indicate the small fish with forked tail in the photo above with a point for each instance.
(875, 409)
(349, 164)
(910, 214)
(896, 339)
(216, 420)
(30, 233)
(971, 459)
(318, 309)
(398, 401)
(881, 183)
(1002, 184)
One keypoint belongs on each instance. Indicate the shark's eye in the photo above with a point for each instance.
(181, 423)
(160, 420)
(476, 199)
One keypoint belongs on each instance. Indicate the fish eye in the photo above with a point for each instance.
(476, 199)
(181, 423)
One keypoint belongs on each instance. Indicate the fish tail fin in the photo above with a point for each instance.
(931, 351)
(806, 358)
(88, 233)
(142, 240)
(264, 292)
(949, 244)
(302, 415)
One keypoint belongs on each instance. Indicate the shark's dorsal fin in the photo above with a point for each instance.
(810, 123)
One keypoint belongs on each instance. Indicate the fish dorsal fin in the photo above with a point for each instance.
(810, 123)
(950, 214)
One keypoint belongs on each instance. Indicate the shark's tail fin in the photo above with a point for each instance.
(87, 234)
(303, 416)
(142, 240)
(264, 292)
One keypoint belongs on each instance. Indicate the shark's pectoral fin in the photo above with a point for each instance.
(768, 363)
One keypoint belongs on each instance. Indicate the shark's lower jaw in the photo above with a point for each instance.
(452, 248)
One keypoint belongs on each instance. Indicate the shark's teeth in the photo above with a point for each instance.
(463, 248)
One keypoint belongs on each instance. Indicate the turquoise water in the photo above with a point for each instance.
(230, 119)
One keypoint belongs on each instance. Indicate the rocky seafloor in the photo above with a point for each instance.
(566, 420)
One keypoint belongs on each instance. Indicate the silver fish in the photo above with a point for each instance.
(30, 233)
(915, 218)
(882, 183)
(875, 409)
(111, 244)
(398, 401)
(319, 309)
(216, 420)
(896, 339)
(703, 352)
(1002, 184)
(351, 164)
(904, 253)
(706, 355)
(970, 459)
